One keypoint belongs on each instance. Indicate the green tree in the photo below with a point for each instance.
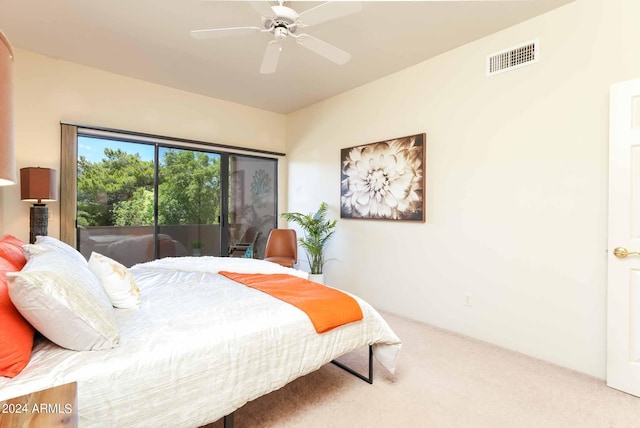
(138, 210)
(103, 185)
(189, 190)
(118, 190)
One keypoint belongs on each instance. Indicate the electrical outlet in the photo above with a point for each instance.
(468, 300)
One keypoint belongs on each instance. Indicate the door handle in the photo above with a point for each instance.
(621, 252)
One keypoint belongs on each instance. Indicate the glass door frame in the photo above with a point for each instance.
(68, 199)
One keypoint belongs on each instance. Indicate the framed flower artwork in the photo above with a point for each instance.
(384, 180)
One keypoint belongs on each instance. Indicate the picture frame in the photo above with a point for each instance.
(384, 180)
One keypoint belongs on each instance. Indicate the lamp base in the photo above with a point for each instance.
(38, 222)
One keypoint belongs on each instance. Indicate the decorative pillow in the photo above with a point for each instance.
(16, 334)
(116, 280)
(50, 243)
(64, 301)
(11, 250)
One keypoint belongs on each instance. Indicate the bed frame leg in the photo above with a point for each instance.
(355, 373)
(228, 421)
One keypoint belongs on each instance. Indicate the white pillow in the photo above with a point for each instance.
(116, 280)
(53, 244)
(63, 300)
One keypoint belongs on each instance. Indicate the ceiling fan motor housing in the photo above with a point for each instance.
(284, 17)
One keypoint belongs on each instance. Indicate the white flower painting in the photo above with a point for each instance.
(384, 180)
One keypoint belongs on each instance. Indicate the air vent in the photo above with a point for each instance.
(512, 58)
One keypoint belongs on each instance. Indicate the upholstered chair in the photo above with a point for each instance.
(282, 247)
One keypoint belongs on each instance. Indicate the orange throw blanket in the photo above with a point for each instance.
(327, 308)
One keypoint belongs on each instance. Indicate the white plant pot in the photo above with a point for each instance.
(317, 277)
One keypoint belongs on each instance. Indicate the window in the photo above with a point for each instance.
(136, 197)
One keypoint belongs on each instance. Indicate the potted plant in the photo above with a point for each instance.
(196, 246)
(317, 231)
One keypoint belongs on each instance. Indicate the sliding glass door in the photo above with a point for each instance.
(252, 204)
(115, 199)
(138, 201)
(189, 196)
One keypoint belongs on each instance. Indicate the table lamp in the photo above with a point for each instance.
(38, 184)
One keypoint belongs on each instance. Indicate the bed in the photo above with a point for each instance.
(197, 347)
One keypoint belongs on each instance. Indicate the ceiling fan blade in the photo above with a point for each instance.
(329, 10)
(324, 49)
(224, 32)
(263, 7)
(271, 55)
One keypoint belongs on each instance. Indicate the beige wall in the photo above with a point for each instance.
(48, 91)
(516, 185)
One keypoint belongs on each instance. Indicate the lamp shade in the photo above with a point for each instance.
(7, 143)
(38, 184)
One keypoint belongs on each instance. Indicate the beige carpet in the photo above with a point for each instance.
(444, 380)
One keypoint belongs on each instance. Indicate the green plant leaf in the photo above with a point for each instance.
(317, 230)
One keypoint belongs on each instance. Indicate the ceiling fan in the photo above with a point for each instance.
(283, 22)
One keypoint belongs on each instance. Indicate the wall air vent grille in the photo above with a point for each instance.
(512, 58)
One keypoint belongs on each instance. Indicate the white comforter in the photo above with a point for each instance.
(199, 347)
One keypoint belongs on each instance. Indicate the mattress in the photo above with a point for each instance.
(199, 347)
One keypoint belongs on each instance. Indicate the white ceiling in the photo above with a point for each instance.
(150, 40)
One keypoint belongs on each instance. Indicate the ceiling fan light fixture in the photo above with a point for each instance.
(280, 33)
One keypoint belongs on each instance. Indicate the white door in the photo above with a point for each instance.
(623, 304)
